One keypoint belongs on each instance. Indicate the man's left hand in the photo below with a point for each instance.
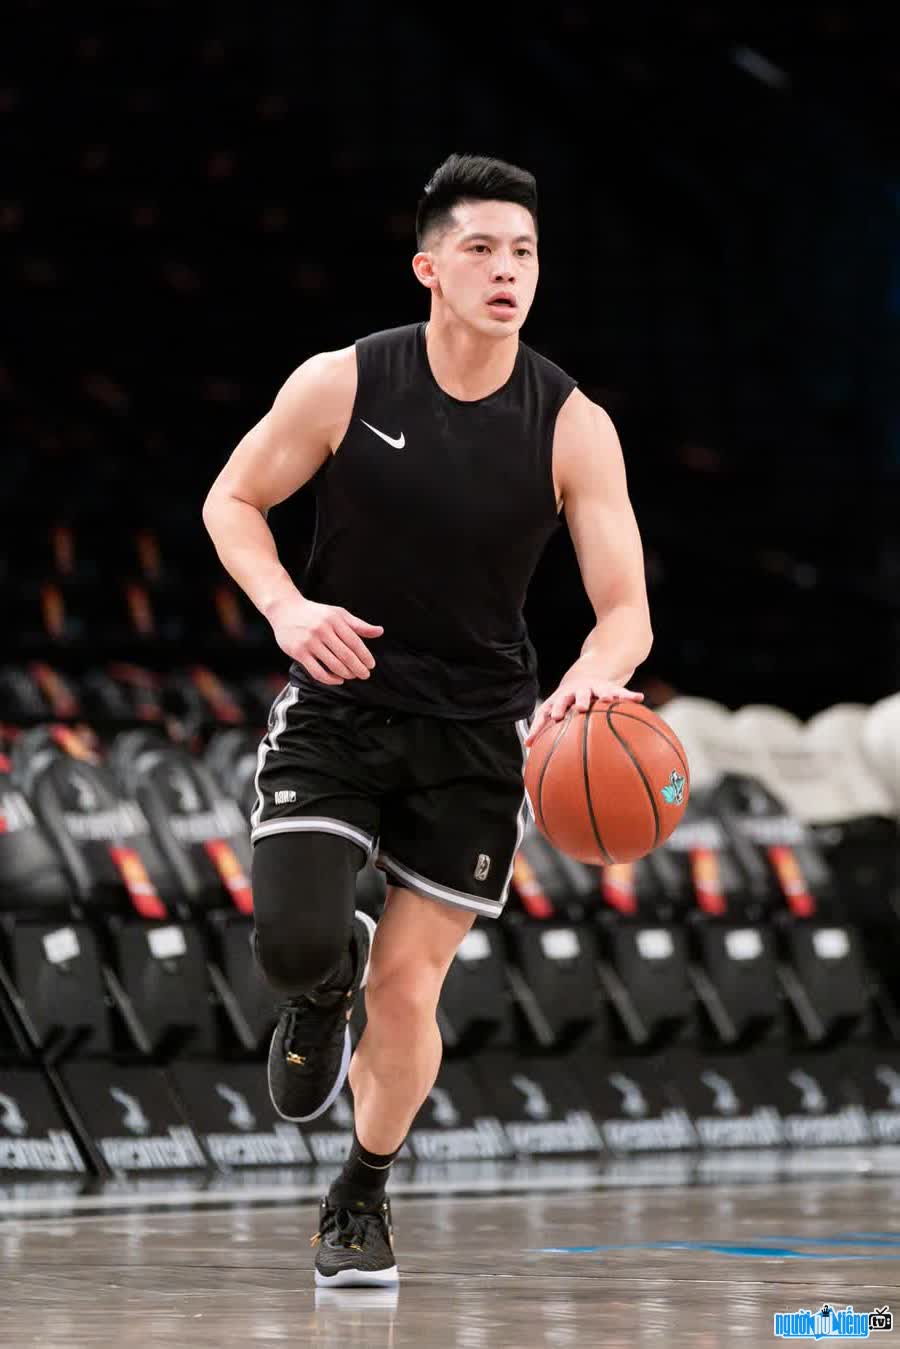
(581, 688)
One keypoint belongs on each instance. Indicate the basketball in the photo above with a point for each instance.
(608, 785)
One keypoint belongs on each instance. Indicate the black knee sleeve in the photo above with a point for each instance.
(304, 898)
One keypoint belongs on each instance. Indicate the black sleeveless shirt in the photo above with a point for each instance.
(431, 517)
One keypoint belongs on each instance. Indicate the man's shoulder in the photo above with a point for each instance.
(329, 368)
(403, 334)
(326, 380)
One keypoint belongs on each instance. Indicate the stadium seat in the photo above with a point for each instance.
(731, 946)
(36, 692)
(51, 979)
(202, 702)
(791, 765)
(590, 952)
(704, 728)
(120, 695)
(475, 1008)
(881, 744)
(155, 967)
(838, 734)
(204, 837)
(232, 756)
(862, 841)
(821, 963)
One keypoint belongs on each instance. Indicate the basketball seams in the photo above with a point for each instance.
(581, 821)
(616, 707)
(538, 806)
(587, 792)
(634, 760)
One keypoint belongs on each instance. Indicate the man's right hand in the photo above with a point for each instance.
(324, 639)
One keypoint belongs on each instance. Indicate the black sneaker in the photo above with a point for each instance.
(355, 1247)
(310, 1050)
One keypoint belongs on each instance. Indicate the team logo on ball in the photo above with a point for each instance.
(673, 794)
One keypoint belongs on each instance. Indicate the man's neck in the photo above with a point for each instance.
(465, 364)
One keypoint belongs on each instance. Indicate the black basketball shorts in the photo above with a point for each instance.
(439, 805)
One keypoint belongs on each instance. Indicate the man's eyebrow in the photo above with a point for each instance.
(492, 238)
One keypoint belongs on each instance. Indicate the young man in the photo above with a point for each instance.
(443, 454)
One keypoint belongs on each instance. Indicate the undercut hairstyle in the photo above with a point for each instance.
(464, 178)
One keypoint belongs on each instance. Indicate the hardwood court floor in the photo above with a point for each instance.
(698, 1266)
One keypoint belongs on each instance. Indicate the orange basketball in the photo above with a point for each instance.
(607, 785)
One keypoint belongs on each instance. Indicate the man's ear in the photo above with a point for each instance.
(423, 266)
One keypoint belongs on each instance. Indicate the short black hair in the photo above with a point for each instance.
(471, 178)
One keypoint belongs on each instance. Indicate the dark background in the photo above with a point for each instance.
(196, 197)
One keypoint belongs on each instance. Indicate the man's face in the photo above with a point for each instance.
(485, 266)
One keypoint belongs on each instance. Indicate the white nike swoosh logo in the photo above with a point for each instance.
(397, 442)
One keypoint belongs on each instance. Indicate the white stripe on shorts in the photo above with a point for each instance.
(277, 721)
(320, 824)
(523, 727)
(491, 907)
(524, 811)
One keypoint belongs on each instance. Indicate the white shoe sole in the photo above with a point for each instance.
(359, 1278)
(345, 1056)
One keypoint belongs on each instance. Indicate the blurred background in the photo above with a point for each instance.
(196, 198)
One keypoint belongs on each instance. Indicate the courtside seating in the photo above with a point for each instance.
(881, 743)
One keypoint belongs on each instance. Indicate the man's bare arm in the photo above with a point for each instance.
(601, 521)
(590, 476)
(276, 458)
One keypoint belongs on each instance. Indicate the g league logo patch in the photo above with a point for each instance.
(482, 866)
(673, 794)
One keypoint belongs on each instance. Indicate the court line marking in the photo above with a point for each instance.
(716, 1248)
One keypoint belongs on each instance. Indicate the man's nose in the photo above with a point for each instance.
(504, 267)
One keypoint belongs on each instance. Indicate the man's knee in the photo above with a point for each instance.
(304, 897)
(405, 995)
(416, 944)
(299, 964)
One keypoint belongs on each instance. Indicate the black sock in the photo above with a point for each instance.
(362, 1182)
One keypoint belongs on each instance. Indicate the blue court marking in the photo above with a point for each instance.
(715, 1248)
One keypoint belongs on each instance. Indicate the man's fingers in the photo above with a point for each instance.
(582, 698)
(619, 696)
(330, 659)
(355, 643)
(360, 625)
(540, 721)
(312, 666)
(356, 667)
(561, 705)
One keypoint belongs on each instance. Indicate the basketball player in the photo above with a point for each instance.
(443, 453)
